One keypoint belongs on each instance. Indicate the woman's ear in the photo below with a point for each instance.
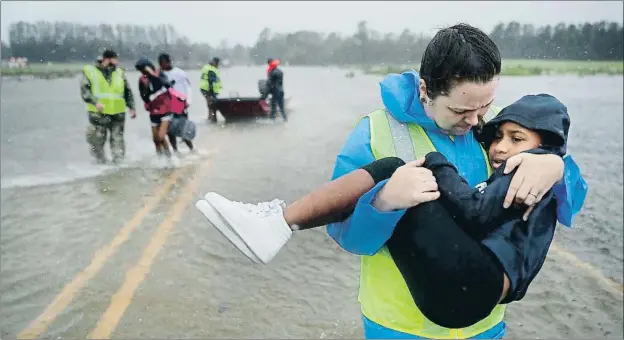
(422, 90)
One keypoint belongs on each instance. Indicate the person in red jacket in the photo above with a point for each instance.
(153, 88)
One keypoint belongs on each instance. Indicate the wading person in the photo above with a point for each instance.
(275, 87)
(496, 255)
(433, 110)
(210, 86)
(181, 83)
(104, 88)
(153, 88)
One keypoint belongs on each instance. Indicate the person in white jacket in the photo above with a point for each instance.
(182, 84)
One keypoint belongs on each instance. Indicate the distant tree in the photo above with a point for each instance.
(65, 41)
(5, 53)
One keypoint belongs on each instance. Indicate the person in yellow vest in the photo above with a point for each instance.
(210, 86)
(433, 110)
(452, 287)
(105, 90)
(453, 91)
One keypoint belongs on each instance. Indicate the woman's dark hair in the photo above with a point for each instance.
(456, 54)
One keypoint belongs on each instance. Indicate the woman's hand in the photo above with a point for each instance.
(536, 175)
(410, 185)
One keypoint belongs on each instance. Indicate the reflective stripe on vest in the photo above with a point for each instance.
(110, 95)
(384, 296)
(203, 83)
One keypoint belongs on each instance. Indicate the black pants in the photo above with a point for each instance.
(277, 100)
(454, 280)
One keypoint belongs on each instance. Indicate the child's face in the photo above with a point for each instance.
(510, 140)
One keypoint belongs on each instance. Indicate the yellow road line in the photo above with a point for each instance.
(64, 298)
(593, 271)
(135, 275)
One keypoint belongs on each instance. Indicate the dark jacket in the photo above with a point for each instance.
(520, 246)
(276, 82)
(154, 84)
(212, 78)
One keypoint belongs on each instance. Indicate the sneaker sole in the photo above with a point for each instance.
(247, 233)
(223, 227)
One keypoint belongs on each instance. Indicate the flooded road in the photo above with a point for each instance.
(121, 252)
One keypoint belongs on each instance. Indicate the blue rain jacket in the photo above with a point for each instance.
(368, 229)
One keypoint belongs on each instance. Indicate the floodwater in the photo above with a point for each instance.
(121, 252)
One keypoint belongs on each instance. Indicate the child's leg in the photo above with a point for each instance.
(454, 280)
(268, 225)
(335, 201)
(330, 202)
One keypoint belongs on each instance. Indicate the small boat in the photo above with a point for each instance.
(235, 107)
(246, 107)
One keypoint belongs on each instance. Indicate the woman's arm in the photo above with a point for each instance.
(570, 192)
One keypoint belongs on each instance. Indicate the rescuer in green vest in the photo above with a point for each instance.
(104, 88)
(210, 86)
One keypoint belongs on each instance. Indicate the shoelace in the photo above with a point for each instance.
(263, 208)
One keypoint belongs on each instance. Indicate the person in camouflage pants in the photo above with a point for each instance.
(106, 98)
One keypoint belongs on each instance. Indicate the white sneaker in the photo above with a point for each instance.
(213, 216)
(261, 226)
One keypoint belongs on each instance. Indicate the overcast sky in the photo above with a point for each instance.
(241, 22)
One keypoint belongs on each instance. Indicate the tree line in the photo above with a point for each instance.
(60, 42)
(44, 41)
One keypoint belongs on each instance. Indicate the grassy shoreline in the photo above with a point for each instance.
(52, 71)
(43, 71)
(529, 67)
(510, 67)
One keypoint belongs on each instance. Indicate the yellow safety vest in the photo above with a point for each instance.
(384, 296)
(111, 95)
(203, 83)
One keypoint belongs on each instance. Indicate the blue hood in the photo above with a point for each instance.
(399, 93)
